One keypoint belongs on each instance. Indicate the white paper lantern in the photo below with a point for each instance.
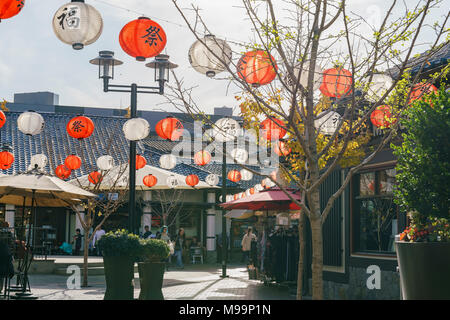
(172, 182)
(77, 24)
(246, 175)
(269, 183)
(303, 73)
(136, 129)
(38, 161)
(168, 161)
(202, 55)
(105, 162)
(239, 155)
(226, 129)
(30, 123)
(259, 187)
(212, 179)
(229, 198)
(378, 86)
(328, 122)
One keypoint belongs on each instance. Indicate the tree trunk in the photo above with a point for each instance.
(85, 258)
(317, 257)
(301, 258)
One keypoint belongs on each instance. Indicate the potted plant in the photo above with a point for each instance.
(120, 250)
(151, 269)
(423, 190)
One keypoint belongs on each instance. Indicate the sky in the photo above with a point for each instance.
(32, 58)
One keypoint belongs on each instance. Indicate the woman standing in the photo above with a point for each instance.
(247, 244)
(180, 245)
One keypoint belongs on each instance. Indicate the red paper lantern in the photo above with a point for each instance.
(62, 172)
(2, 119)
(257, 68)
(142, 38)
(236, 196)
(272, 129)
(234, 175)
(80, 127)
(380, 116)
(169, 128)
(282, 148)
(140, 162)
(6, 160)
(150, 180)
(95, 177)
(192, 180)
(202, 158)
(421, 89)
(336, 83)
(9, 8)
(252, 191)
(73, 162)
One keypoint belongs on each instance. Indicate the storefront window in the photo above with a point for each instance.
(375, 215)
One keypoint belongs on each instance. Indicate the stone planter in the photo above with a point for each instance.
(119, 274)
(424, 270)
(151, 276)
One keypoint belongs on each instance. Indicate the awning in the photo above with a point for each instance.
(239, 214)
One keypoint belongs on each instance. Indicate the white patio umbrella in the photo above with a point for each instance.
(118, 177)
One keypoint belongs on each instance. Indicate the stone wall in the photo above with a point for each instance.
(356, 288)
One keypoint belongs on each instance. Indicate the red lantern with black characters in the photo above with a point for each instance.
(2, 119)
(140, 162)
(95, 177)
(272, 129)
(381, 117)
(150, 180)
(62, 172)
(257, 68)
(421, 89)
(234, 175)
(192, 180)
(9, 8)
(282, 148)
(6, 159)
(142, 38)
(73, 162)
(80, 127)
(169, 128)
(202, 158)
(336, 83)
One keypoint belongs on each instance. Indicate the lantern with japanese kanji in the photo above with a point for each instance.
(6, 159)
(421, 89)
(77, 24)
(272, 129)
(142, 38)
(381, 117)
(281, 148)
(73, 162)
(212, 179)
(234, 175)
(336, 83)
(257, 68)
(62, 172)
(95, 177)
(192, 180)
(80, 127)
(169, 128)
(202, 158)
(2, 119)
(150, 180)
(9, 8)
(140, 162)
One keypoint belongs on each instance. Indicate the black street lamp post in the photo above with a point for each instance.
(224, 220)
(162, 66)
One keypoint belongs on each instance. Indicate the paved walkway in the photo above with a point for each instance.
(195, 282)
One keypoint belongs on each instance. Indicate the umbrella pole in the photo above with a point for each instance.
(22, 227)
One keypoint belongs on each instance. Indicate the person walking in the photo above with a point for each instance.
(77, 238)
(164, 235)
(98, 234)
(180, 245)
(247, 244)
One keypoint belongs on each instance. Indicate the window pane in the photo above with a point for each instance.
(367, 184)
(377, 227)
(387, 180)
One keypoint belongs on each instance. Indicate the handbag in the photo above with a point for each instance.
(171, 247)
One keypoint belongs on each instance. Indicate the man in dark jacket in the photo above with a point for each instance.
(180, 245)
(77, 240)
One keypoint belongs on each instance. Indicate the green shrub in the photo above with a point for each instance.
(154, 250)
(119, 243)
(423, 179)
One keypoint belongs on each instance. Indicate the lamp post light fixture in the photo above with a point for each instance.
(106, 63)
